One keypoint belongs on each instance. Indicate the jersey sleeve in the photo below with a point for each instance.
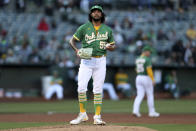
(111, 38)
(148, 62)
(79, 33)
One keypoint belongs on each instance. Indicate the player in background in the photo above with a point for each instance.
(94, 34)
(144, 83)
(122, 83)
(55, 87)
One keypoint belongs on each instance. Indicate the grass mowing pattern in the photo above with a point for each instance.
(169, 106)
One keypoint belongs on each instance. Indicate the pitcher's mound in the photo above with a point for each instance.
(84, 128)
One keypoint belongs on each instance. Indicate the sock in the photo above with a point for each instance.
(82, 102)
(97, 103)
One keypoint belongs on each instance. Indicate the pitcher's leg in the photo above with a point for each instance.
(84, 76)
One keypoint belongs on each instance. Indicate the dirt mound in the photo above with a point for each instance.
(84, 128)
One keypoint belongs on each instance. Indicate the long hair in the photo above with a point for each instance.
(102, 18)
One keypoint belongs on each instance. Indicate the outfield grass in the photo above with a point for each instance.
(169, 106)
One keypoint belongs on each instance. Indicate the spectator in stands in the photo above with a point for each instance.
(49, 10)
(3, 45)
(3, 32)
(126, 23)
(178, 51)
(53, 24)
(119, 39)
(66, 62)
(34, 57)
(139, 35)
(191, 32)
(151, 36)
(25, 51)
(188, 53)
(43, 25)
(122, 83)
(161, 35)
(84, 6)
(25, 39)
(11, 57)
(139, 46)
(191, 62)
(55, 87)
(117, 26)
(20, 6)
(42, 43)
(39, 3)
(53, 44)
(64, 42)
(171, 84)
(172, 36)
(14, 43)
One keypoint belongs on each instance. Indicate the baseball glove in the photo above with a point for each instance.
(85, 53)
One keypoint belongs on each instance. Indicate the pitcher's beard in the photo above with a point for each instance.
(96, 20)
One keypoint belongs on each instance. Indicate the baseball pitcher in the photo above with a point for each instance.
(96, 39)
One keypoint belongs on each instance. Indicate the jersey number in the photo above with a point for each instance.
(140, 67)
(102, 45)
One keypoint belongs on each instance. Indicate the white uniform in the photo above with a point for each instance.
(144, 85)
(95, 67)
(55, 88)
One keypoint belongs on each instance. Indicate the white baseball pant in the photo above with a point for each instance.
(95, 67)
(56, 88)
(144, 85)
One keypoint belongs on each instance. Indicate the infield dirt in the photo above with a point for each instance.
(84, 128)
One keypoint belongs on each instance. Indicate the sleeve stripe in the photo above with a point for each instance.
(112, 42)
(76, 38)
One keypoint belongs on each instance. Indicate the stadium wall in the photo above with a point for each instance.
(28, 77)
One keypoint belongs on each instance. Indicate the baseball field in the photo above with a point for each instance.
(176, 115)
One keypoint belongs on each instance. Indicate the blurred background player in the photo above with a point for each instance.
(144, 83)
(122, 83)
(171, 84)
(94, 34)
(109, 87)
(55, 87)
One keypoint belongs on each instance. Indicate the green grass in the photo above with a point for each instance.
(169, 106)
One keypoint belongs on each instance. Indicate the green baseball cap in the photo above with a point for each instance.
(147, 48)
(97, 7)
